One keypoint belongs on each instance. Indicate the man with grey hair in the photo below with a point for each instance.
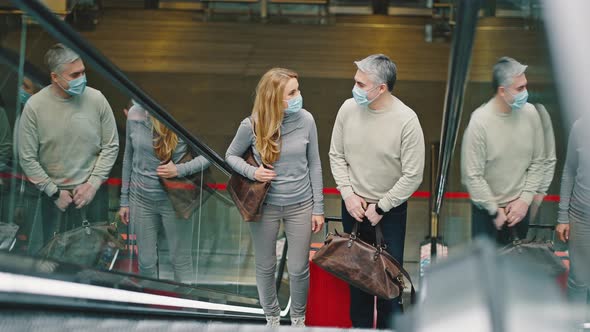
(67, 143)
(377, 160)
(502, 157)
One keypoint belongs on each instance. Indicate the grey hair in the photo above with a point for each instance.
(59, 55)
(379, 68)
(505, 70)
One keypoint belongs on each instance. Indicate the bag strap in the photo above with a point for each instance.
(85, 222)
(514, 235)
(355, 230)
(382, 246)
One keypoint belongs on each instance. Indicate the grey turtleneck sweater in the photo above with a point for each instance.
(299, 170)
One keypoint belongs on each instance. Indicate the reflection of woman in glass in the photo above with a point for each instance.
(5, 144)
(152, 151)
(283, 137)
(27, 89)
(26, 212)
(574, 209)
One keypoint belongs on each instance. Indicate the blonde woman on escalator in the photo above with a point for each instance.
(283, 136)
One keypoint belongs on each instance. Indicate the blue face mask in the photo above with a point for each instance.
(77, 86)
(360, 96)
(294, 104)
(24, 96)
(520, 100)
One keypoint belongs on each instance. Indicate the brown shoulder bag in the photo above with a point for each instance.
(248, 195)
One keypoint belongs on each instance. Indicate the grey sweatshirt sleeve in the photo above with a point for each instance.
(110, 146)
(412, 160)
(338, 163)
(568, 178)
(315, 170)
(240, 144)
(28, 148)
(197, 164)
(127, 165)
(548, 150)
(473, 159)
(534, 175)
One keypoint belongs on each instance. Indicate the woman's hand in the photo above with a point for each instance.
(317, 222)
(563, 232)
(263, 174)
(167, 171)
(124, 214)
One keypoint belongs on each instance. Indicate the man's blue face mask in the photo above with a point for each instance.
(77, 85)
(360, 95)
(520, 100)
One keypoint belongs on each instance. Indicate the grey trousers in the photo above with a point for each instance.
(149, 217)
(579, 250)
(297, 222)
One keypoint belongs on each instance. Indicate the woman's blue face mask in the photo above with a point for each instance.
(24, 96)
(294, 104)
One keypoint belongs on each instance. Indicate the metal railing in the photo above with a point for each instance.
(459, 62)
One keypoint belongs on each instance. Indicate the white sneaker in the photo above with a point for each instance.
(298, 321)
(273, 321)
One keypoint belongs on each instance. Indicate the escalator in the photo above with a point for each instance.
(49, 293)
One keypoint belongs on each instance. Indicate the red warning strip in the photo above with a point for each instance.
(327, 191)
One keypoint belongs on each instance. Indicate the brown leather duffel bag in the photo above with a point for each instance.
(369, 268)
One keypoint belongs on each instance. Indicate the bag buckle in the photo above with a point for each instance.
(400, 280)
(86, 225)
(351, 239)
(376, 255)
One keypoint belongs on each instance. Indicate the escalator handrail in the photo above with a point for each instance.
(459, 62)
(64, 33)
(11, 58)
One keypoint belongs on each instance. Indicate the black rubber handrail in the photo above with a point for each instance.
(11, 59)
(64, 33)
(459, 62)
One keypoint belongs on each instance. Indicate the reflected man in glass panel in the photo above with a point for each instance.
(502, 157)
(68, 143)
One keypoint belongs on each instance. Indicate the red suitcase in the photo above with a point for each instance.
(328, 302)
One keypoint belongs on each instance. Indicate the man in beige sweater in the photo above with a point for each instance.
(502, 157)
(377, 160)
(67, 143)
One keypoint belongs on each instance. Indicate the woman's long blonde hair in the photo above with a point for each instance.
(165, 140)
(268, 112)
